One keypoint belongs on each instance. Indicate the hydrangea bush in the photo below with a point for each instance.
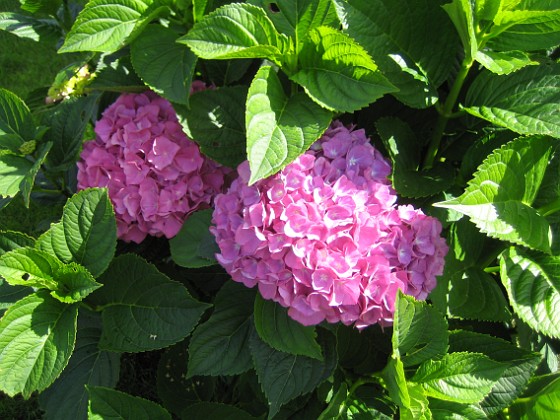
(284, 209)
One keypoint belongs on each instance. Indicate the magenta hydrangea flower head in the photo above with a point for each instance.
(155, 175)
(325, 238)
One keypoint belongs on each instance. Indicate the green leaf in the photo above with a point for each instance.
(164, 65)
(499, 196)
(28, 182)
(543, 405)
(45, 6)
(418, 408)
(214, 410)
(476, 295)
(236, 30)
(296, 18)
(45, 31)
(216, 121)
(108, 25)
(13, 170)
(29, 267)
(460, 377)
(532, 283)
(504, 62)
(115, 73)
(419, 331)
(220, 346)
(68, 122)
(395, 381)
(10, 240)
(445, 410)
(282, 333)
(337, 73)
(87, 233)
(106, 403)
(11, 294)
(199, 8)
(510, 385)
(37, 336)
(143, 309)
(462, 16)
(398, 35)
(67, 398)
(523, 102)
(194, 246)
(15, 117)
(74, 283)
(279, 128)
(285, 376)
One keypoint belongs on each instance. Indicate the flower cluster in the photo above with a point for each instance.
(155, 175)
(325, 238)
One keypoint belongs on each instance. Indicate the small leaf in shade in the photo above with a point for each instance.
(13, 170)
(106, 403)
(142, 308)
(281, 332)
(337, 73)
(10, 240)
(533, 286)
(37, 336)
(279, 128)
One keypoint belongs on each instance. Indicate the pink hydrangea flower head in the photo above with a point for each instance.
(325, 238)
(155, 175)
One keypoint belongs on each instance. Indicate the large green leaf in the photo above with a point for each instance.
(216, 121)
(143, 309)
(545, 404)
(462, 15)
(337, 73)
(279, 128)
(419, 331)
(115, 73)
(296, 18)
(108, 25)
(46, 31)
(13, 170)
(67, 398)
(498, 199)
(476, 295)
(87, 233)
(524, 102)
(522, 364)
(533, 284)
(285, 376)
(220, 346)
(107, 403)
(164, 65)
(37, 336)
(236, 30)
(412, 41)
(68, 122)
(15, 118)
(194, 246)
(460, 377)
(282, 333)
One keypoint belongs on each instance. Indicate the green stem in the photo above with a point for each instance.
(446, 113)
(494, 269)
(550, 208)
(47, 191)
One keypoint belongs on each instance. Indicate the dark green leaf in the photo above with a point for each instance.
(194, 246)
(220, 346)
(115, 73)
(523, 102)
(284, 376)
(142, 308)
(214, 410)
(44, 6)
(216, 120)
(282, 333)
(413, 42)
(164, 65)
(15, 118)
(279, 128)
(445, 410)
(108, 25)
(11, 294)
(498, 199)
(37, 336)
(337, 73)
(459, 377)
(419, 331)
(10, 240)
(510, 385)
(45, 31)
(28, 181)
(106, 403)
(235, 31)
(533, 284)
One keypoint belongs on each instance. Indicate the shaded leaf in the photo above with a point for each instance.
(105, 403)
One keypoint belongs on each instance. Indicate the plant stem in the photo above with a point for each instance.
(446, 113)
(494, 269)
